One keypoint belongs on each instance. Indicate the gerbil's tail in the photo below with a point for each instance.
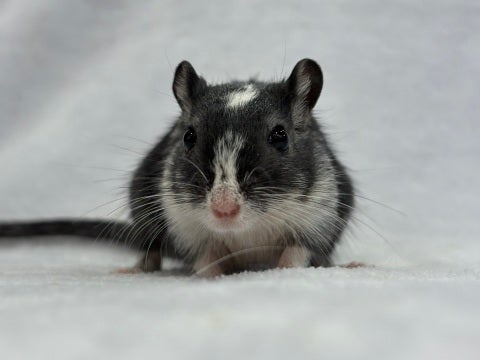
(96, 229)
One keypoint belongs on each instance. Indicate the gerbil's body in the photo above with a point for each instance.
(244, 180)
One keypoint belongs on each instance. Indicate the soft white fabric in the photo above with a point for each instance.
(85, 87)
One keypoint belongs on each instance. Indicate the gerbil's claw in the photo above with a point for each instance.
(354, 265)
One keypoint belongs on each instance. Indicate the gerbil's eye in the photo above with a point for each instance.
(190, 138)
(278, 138)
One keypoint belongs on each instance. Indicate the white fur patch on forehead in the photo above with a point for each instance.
(242, 96)
(225, 161)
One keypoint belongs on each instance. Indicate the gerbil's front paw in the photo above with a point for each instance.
(294, 256)
(211, 262)
(149, 263)
(209, 271)
(152, 261)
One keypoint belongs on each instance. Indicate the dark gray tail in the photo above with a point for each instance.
(97, 229)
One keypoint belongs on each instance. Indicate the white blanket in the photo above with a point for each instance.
(85, 87)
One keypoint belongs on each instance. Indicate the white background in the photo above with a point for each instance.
(85, 87)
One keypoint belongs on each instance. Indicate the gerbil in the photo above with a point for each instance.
(244, 180)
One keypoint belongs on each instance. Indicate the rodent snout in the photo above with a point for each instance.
(225, 203)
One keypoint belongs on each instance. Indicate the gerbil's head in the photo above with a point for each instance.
(242, 148)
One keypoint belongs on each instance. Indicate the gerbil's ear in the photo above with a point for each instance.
(305, 84)
(186, 85)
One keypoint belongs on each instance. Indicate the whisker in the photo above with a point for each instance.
(196, 166)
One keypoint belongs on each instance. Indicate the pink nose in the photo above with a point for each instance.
(224, 204)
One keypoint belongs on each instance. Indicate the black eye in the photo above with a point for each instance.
(278, 138)
(190, 138)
